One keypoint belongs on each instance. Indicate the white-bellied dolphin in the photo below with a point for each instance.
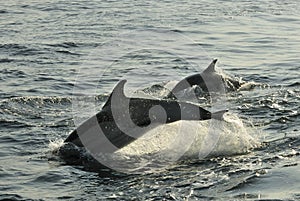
(122, 120)
(209, 81)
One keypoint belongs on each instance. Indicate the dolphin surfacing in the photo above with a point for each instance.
(122, 120)
(209, 81)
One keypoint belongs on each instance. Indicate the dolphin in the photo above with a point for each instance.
(122, 120)
(209, 81)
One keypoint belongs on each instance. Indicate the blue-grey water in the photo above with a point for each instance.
(48, 48)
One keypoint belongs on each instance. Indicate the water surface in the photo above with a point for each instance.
(45, 45)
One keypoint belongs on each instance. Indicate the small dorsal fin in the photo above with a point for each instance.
(118, 90)
(211, 67)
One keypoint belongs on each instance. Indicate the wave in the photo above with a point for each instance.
(64, 44)
(295, 84)
(15, 197)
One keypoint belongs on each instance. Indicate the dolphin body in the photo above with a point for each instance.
(122, 120)
(209, 81)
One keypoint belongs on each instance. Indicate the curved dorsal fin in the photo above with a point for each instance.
(117, 91)
(211, 67)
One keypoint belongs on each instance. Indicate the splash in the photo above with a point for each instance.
(55, 145)
(233, 138)
(236, 137)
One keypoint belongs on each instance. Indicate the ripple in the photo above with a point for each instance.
(3, 11)
(16, 197)
(295, 84)
(65, 45)
(42, 47)
(13, 124)
(7, 73)
(7, 60)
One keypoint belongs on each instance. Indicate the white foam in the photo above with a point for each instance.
(54, 145)
(196, 138)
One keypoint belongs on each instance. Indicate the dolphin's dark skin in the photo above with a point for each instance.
(122, 120)
(209, 81)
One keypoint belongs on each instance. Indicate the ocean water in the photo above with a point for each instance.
(57, 54)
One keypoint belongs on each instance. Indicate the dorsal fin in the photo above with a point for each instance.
(117, 91)
(211, 67)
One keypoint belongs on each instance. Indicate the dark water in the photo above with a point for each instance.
(48, 48)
